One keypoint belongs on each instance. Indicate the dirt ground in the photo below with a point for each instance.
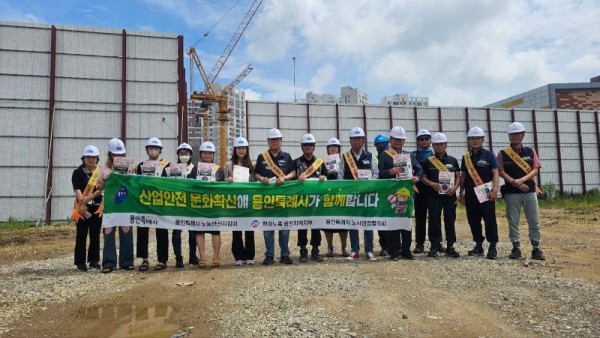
(157, 307)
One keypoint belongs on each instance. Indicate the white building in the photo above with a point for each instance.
(312, 97)
(353, 96)
(405, 100)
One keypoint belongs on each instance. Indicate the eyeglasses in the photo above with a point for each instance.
(424, 139)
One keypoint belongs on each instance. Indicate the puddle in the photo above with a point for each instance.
(144, 322)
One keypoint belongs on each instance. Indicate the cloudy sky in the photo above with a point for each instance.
(456, 52)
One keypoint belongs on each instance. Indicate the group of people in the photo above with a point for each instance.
(436, 177)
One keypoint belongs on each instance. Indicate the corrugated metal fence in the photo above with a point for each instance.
(566, 141)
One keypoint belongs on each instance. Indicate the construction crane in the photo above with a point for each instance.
(209, 97)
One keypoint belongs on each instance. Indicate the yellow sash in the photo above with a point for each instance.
(391, 152)
(471, 169)
(274, 168)
(351, 163)
(518, 160)
(437, 163)
(88, 191)
(310, 170)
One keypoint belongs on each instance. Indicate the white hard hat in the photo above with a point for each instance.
(208, 147)
(185, 146)
(154, 142)
(334, 142)
(116, 146)
(439, 138)
(308, 139)
(240, 142)
(475, 132)
(274, 133)
(423, 132)
(515, 127)
(357, 132)
(398, 132)
(90, 151)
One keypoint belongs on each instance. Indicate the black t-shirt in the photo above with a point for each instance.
(80, 179)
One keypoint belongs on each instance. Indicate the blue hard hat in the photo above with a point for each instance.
(380, 138)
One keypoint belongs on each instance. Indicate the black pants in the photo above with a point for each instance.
(437, 205)
(315, 238)
(399, 241)
(84, 227)
(240, 251)
(475, 213)
(383, 242)
(420, 200)
(192, 243)
(162, 245)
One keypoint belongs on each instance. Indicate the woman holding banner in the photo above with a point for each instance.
(243, 254)
(116, 148)
(208, 171)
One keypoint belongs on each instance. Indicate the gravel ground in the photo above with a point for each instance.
(338, 298)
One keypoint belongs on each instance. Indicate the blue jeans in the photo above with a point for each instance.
(109, 254)
(355, 241)
(284, 237)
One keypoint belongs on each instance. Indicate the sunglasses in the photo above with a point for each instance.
(424, 139)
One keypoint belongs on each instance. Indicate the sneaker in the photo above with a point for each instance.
(329, 252)
(451, 252)
(407, 255)
(441, 248)
(345, 253)
(268, 261)
(395, 258)
(95, 265)
(419, 249)
(82, 268)
(250, 261)
(477, 251)
(285, 260)
(515, 253)
(492, 253)
(537, 254)
(383, 252)
(432, 253)
(193, 260)
(371, 256)
(353, 256)
(314, 255)
(179, 262)
(239, 262)
(303, 255)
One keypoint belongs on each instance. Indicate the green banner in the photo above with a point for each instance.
(171, 203)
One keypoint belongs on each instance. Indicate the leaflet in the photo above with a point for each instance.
(206, 171)
(151, 168)
(241, 174)
(123, 165)
(177, 170)
(446, 181)
(364, 174)
(483, 190)
(403, 162)
(332, 163)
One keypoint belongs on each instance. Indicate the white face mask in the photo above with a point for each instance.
(153, 153)
(184, 159)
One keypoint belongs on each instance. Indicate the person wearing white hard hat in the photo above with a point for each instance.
(441, 195)
(153, 150)
(243, 253)
(116, 148)
(399, 241)
(479, 167)
(184, 155)
(88, 201)
(518, 166)
(420, 197)
(334, 147)
(207, 155)
(357, 161)
(275, 165)
(308, 166)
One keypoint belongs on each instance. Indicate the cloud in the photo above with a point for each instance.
(322, 78)
(8, 13)
(251, 94)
